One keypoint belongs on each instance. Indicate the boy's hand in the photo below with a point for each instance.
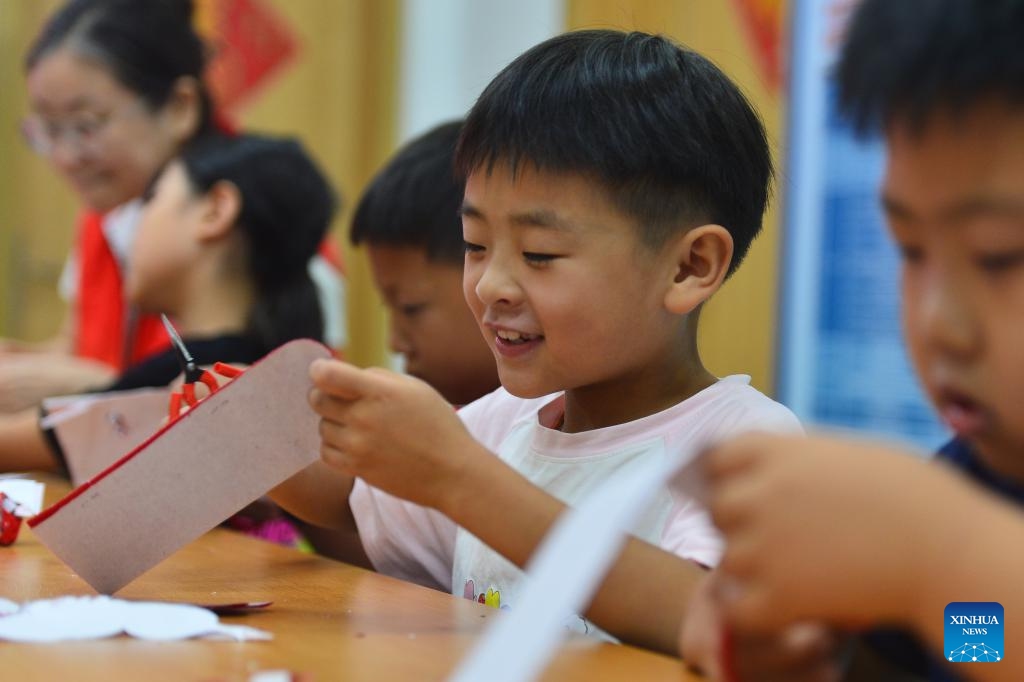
(393, 431)
(800, 653)
(817, 529)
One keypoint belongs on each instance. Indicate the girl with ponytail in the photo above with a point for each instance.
(225, 237)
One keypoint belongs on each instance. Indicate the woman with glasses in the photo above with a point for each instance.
(115, 89)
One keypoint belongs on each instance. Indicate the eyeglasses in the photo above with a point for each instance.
(80, 132)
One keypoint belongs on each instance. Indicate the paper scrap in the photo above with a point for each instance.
(79, 618)
(27, 493)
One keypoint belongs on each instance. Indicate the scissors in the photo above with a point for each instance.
(193, 373)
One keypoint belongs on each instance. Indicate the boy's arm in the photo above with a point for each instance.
(22, 445)
(644, 595)
(399, 435)
(318, 495)
(985, 563)
(910, 539)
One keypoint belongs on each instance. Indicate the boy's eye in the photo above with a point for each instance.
(411, 309)
(472, 248)
(538, 257)
(148, 193)
(998, 262)
(911, 254)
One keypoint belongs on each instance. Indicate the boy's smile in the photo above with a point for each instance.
(569, 298)
(954, 197)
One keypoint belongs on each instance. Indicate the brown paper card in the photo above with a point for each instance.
(95, 431)
(226, 452)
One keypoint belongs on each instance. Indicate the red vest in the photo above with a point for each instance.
(101, 311)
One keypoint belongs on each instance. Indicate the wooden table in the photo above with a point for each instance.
(330, 621)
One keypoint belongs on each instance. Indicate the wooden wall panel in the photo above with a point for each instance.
(37, 209)
(338, 96)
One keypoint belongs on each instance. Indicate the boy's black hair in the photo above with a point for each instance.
(287, 206)
(414, 200)
(146, 44)
(906, 60)
(670, 137)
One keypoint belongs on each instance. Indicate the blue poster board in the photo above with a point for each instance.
(842, 359)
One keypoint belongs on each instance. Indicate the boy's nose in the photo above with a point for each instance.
(497, 286)
(947, 319)
(398, 340)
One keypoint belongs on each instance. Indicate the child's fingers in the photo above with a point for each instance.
(801, 647)
(734, 457)
(337, 458)
(327, 406)
(749, 606)
(738, 504)
(341, 379)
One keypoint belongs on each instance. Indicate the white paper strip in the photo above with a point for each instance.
(27, 493)
(566, 570)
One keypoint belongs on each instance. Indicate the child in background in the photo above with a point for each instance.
(115, 89)
(408, 219)
(944, 79)
(614, 181)
(224, 244)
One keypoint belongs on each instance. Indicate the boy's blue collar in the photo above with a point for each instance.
(959, 453)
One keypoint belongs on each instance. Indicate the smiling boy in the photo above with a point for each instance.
(613, 181)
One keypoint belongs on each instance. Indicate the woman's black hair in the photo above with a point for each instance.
(286, 207)
(146, 44)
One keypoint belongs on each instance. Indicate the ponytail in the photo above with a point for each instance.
(286, 207)
(287, 311)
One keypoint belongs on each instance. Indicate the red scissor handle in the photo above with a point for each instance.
(10, 522)
(188, 390)
(728, 656)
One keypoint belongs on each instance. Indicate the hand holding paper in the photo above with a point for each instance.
(393, 431)
(194, 473)
(779, 500)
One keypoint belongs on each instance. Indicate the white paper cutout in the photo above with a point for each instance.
(27, 493)
(567, 568)
(80, 618)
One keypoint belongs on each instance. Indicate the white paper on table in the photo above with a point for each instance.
(79, 618)
(568, 567)
(26, 492)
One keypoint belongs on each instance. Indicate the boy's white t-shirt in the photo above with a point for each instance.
(423, 546)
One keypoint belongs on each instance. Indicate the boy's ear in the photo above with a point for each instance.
(702, 258)
(221, 207)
